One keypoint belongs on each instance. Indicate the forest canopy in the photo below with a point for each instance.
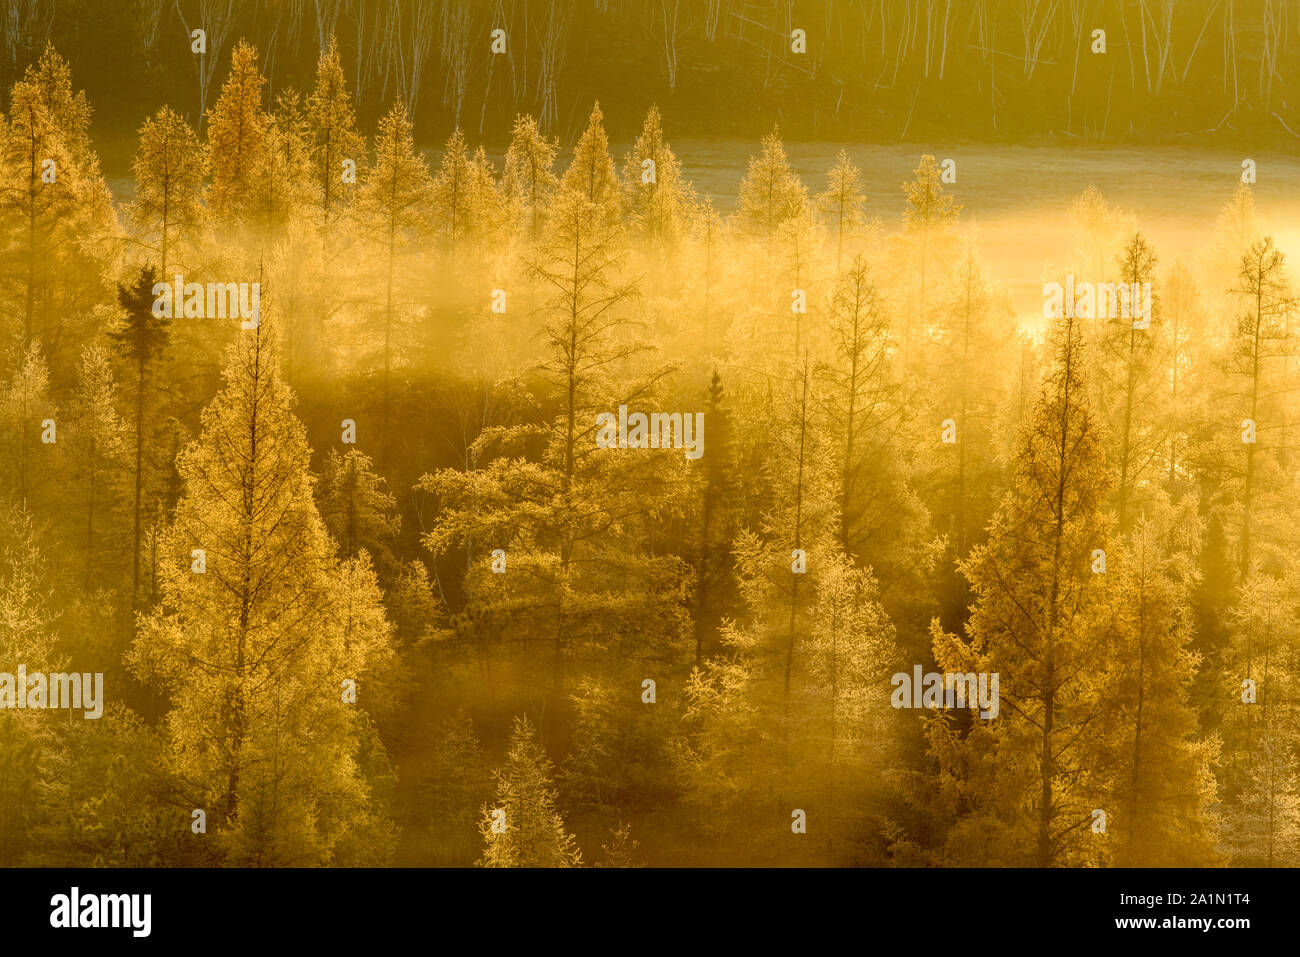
(536, 512)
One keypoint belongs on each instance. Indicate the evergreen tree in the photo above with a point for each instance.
(98, 444)
(259, 630)
(1029, 779)
(169, 168)
(141, 340)
(237, 130)
(355, 507)
(534, 834)
(391, 209)
(334, 137)
(842, 202)
(529, 179)
(771, 192)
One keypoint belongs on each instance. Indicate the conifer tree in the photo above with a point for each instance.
(454, 785)
(1031, 777)
(881, 521)
(169, 168)
(97, 439)
(237, 129)
(27, 410)
(1260, 348)
(1132, 345)
(334, 136)
(284, 184)
(1163, 788)
(391, 208)
(56, 215)
(842, 201)
(534, 834)
(771, 192)
(707, 233)
(591, 175)
(258, 631)
(657, 196)
(1260, 785)
(450, 193)
(927, 215)
(141, 341)
(411, 603)
(529, 179)
(1187, 349)
(28, 755)
(355, 507)
(571, 517)
(718, 521)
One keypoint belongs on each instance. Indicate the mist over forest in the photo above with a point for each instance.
(407, 476)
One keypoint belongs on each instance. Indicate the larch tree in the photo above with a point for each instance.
(237, 129)
(1185, 365)
(1260, 347)
(334, 138)
(488, 220)
(965, 352)
(56, 215)
(391, 208)
(98, 442)
(356, 508)
(591, 175)
(881, 520)
(770, 193)
(859, 391)
(842, 202)
(27, 410)
(706, 233)
(1135, 394)
(927, 215)
(571, 517)
(284, 185)
(851, 652)
(524, 828)
(28, 752)
(169, 168)
(657, 195)
(261, 631)
(530, 179)
(1260, 785)
(1027, 780)
(450, 193)
(1163, 788)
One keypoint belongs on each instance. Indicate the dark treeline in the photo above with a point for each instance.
(368, 584)
(878, 71)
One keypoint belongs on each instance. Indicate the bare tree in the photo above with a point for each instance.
(215, 18)
(559, 13)
(455, 53)
(25, 28)
(667, 35)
